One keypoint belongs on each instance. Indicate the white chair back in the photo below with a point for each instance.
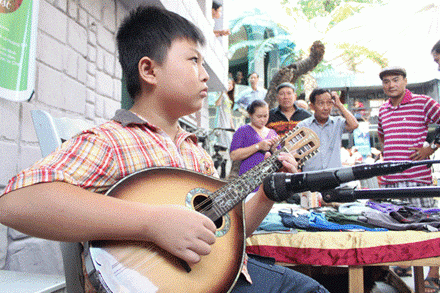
(51, 132)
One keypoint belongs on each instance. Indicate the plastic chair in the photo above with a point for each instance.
(51, 132)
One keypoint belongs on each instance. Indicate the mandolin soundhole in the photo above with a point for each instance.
(199, 200)
(203, 204)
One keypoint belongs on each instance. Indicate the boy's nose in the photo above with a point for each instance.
(204, 74)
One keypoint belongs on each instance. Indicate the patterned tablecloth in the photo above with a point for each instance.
(345, 248)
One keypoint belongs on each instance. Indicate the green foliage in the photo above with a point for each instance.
(254, 18)
(354, 54)
(261, 46)
(316, 16)
(344, 11)
(320, 8)
(324, 15)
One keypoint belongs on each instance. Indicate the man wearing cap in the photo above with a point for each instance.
(402, 129)
(286, 116)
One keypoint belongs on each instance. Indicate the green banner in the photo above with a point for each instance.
(18, 30)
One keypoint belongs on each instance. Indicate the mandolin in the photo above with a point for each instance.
(134, 266)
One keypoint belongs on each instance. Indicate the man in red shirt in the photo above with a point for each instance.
(403, 128)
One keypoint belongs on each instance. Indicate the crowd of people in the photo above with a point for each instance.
(162, 60)
(401, 142)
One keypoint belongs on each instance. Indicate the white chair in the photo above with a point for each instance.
(51, 132)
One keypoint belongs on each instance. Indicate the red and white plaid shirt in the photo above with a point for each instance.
(99, 157)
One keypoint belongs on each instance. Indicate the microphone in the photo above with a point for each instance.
(350, 195)
(280, 186)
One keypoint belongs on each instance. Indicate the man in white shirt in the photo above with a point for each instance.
(252, 94)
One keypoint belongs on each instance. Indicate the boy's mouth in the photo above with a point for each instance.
(204, 92)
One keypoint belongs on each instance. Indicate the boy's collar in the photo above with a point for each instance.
(126, 117)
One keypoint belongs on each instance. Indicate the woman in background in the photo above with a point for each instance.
(251, 141)
(223, 117)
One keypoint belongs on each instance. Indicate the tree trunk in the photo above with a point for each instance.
(292, 72)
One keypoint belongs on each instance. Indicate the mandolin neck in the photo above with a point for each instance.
(227, 197)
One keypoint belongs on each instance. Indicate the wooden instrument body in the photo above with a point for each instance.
(217, 272)
(134, 266)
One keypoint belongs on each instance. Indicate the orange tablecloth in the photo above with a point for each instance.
(345, 248)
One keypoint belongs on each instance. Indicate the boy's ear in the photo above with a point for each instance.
(146, 70)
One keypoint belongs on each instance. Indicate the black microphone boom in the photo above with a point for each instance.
(350, 195)
(280, 186)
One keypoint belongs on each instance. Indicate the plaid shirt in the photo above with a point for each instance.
(99, 157)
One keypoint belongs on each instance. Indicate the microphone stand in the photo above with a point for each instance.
(350, 195)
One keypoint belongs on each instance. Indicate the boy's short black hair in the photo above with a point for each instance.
(150, 31)
(317, 92)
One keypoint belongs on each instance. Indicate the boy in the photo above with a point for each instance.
(161, 59)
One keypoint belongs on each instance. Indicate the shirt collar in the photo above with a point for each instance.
(126, 117)
(278, 109)
(331, 119)
(406, 98)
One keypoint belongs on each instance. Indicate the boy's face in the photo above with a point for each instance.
(181, 79)
(323, 106)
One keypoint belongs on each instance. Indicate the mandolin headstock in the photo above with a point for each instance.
(302, 143)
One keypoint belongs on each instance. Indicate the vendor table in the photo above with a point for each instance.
(353, 249)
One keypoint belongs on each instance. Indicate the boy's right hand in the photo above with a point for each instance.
(182, 232)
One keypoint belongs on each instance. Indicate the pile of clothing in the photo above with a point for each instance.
(356, 216)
